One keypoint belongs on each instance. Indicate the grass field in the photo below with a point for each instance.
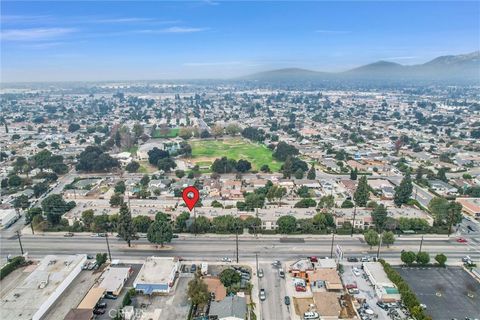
(172, 133)
(204, 152)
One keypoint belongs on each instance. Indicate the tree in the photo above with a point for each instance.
(132, 167)
(287, 224)
(14, 181)
(423, 258)
(362, 193)
(441, 259)
(198, 291)
(306, 203)
(88, 218)
(125, 227)
(166, 164)
(303, 192)
(138, 130)
(243, 165)
(72, 127)
(326, 202)
(181, 221)
(408, 257)
(371, 238)
(54, 207)
(179, 173)
(223, 165)
(347, 204)
(444, 212)
(311, 175)
(39, 189)
(404, 191)
(200, 225)
(21, 202)
(229, 277)
(31, 213)
(116, 200)
(101, 258)
(141, 223)
(283, 150)
(299, 174)
(156, 154)
(388, 238)
(145, 180)
(120, 187)
(353, 174)
(41, 160)
(160, 231)
(379, 216)
(232, 129)
(265, 168)
(441, 174)
(93, 159)
(217, 130)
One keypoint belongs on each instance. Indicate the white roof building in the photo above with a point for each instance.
(157, 275)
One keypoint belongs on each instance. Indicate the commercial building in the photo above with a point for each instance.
(32, 298)
(470, 205)
(385, 290)
(157, 275)
(113, 279)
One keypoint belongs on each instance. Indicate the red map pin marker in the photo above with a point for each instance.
(190, 195)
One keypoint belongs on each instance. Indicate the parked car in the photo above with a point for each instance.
(68, 234)
(276, 263)
(366, 259)
(310, 315)
(101, 305)
(352, 259)
(110, 296)
(260, 273)
(313, 259)
(193, 268)
(98, 311)
(281, 273)
(300, 289)
(461, 240)
(226, 259)
(356, 272)
(382, 305)
(353, 291)
(287, 300)
(262, 295)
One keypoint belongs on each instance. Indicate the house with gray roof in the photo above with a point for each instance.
(231, 308)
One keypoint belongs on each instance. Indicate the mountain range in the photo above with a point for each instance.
(451, 68)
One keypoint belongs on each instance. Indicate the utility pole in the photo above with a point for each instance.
(194, 221)
(421, 243)
(256, 261)
(379, 245)
(236, 240)
(353, 224)
(108, 247)
(331, 248)
(20, 241)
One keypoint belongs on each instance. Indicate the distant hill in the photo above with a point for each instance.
(464, 68)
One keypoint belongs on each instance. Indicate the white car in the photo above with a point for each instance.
(356, 272)
(310, 315)
(226, 260)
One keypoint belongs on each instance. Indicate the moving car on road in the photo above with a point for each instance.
(262, 295)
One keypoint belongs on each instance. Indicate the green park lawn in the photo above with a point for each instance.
(204, 152)
(171, 133)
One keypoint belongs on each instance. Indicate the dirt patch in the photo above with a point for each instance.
(302, 305)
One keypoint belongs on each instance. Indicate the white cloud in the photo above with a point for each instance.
(174, 30)
(34, 34)
(122, 20)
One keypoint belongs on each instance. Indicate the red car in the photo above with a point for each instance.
(313, 259)
(300, 289)
(462, 240)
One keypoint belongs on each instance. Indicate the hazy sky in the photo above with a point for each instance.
(120, 40)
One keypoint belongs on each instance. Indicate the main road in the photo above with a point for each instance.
(211, 248)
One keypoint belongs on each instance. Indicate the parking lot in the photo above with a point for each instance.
(448, 293)
(274, 305)
(365, 289)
